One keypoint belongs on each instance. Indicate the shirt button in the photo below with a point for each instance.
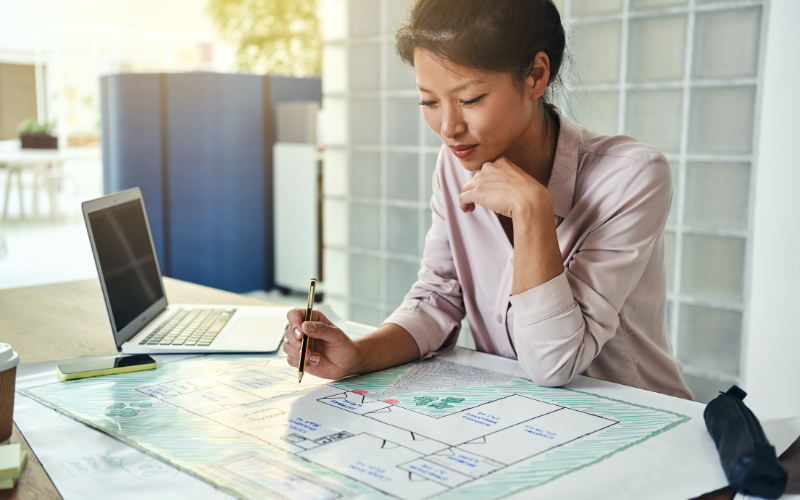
(499, 319)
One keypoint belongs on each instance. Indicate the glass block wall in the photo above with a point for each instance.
(682, 75)
(379, 161)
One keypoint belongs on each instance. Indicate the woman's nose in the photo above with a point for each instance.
(452, 123)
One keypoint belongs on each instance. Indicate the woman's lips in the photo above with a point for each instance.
(463, 150)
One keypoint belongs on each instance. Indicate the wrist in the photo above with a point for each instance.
(357, 366)
(537, 205)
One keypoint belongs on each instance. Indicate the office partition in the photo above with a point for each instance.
(199, 145)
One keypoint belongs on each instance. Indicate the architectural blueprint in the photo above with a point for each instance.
(433, 428)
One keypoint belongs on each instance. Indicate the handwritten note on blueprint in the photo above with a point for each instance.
(433, 428)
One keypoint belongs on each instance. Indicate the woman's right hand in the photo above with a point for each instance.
(331, 354)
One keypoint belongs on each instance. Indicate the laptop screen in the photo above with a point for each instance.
(127, 261)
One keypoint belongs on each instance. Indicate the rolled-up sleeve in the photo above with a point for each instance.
(560, 326)
(432, 311)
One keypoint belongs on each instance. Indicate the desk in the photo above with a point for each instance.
(69, 320)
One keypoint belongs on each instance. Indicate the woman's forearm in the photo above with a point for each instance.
(388, 346)
(537, 257)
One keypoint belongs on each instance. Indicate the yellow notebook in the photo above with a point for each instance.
(12, 460)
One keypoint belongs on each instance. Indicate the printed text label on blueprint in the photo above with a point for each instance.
(428, 429)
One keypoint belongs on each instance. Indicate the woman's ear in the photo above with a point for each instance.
(539, 76)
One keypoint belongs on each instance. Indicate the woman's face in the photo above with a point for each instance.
(479, 115)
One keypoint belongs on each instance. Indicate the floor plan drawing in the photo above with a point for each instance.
(433, 428)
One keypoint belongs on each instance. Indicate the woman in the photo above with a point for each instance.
(546, 235)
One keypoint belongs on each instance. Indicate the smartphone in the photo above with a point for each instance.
(110, 366)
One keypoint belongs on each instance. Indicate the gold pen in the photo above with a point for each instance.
(301, 365)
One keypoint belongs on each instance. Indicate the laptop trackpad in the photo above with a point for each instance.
(267, 333)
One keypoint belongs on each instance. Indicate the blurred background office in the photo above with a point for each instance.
(711, 83)
(52, 54)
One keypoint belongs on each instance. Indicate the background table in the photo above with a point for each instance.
(47, 166)
(69, 320)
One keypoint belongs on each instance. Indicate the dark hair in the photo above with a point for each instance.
(492, 35)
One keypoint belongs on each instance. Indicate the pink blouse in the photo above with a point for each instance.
(604, 316)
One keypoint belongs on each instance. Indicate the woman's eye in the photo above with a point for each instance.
(472, 101)
(427, 103)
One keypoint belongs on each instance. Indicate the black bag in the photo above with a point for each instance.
(747, 458)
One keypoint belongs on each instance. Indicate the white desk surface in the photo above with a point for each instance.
(72, 453)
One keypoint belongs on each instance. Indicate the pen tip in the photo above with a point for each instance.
(300, 377)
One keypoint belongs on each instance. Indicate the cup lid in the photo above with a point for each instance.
(8, 358)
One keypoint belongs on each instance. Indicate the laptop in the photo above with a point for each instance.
(141, 319)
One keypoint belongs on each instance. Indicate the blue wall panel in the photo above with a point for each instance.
(131, 110)
(211, 144)
(216, 180)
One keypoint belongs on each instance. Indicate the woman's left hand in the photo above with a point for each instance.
(503, 188)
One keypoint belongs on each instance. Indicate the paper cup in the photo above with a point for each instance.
(8, 374)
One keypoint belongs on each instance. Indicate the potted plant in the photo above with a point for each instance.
(37, 135)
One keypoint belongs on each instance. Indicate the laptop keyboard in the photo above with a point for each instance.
(194, 327)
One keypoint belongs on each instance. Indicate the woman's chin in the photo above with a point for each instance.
(471, 164)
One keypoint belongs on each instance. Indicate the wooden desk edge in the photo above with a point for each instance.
(34, 482)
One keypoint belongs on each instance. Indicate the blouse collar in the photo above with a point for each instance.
(565, 166)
